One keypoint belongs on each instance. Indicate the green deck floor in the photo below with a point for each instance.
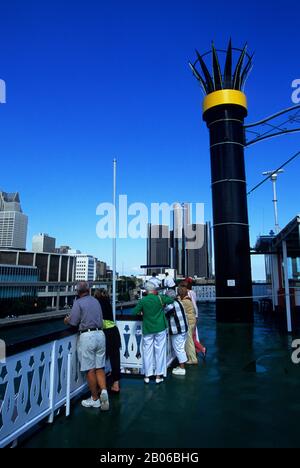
(247, 394)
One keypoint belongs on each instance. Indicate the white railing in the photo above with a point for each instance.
(131, 351)
(34, 384)
(205, 293)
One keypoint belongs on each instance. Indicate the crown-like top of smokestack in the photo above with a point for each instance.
(234, 75)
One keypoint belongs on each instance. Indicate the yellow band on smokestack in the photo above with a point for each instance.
(224, 96)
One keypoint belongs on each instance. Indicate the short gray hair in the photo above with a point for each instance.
(82, 287)
(149, 286)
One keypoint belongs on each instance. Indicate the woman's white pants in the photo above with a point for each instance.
(155, 354)
(178, 343)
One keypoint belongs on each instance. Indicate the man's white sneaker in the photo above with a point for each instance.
(104, 401)
(178, 371)
(90, 403)
(159, 380)
(146, 380)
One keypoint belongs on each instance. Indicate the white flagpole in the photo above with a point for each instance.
(114, 238)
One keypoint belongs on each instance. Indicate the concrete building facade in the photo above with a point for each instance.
(53, 268)
(86, 267)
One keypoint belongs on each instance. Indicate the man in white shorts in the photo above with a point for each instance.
(86, 314)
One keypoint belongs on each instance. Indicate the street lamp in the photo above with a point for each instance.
(273, 179)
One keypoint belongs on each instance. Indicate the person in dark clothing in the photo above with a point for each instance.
(113, 339)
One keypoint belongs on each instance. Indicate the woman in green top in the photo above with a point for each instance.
(154, 332)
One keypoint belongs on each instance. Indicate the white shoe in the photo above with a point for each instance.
(104, 401)
(178, 371)
(159, 380)
(90, 403)
(146, 380)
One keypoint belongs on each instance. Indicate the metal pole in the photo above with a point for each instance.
(58, 298)
(184, 252)
(287, 288)
(269, 265)
(272, 268)
(114, 236)
(275, 201)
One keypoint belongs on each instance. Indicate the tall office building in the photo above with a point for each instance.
(13, 222)
(101, 270)
(191, 253)
(181, 219)
(43, 243)
(199, 259)
(86, 267)
(158, 246)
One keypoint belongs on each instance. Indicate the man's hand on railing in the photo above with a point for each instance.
(67, 319)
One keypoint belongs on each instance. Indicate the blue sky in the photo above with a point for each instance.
(88, 81)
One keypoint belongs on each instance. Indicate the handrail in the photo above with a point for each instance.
(21, 346)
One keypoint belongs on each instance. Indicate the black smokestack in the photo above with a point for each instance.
(224, 111)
